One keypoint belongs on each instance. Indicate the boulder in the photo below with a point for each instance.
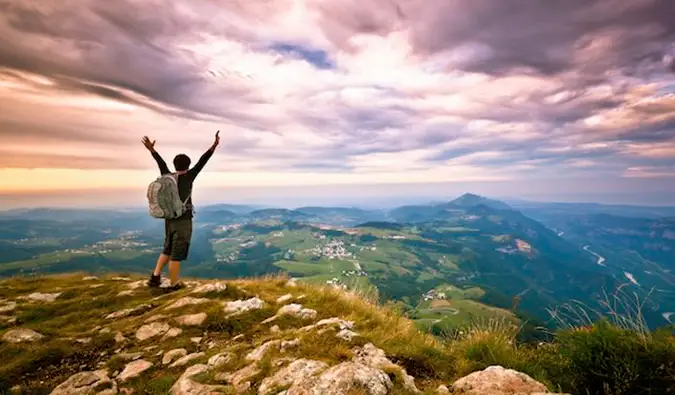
(376, 358)
(242, 306)
(187, 301)
(495, 380)
(192, 319)
(172, 355)
(220, 359)
(212, 287)
(291, 374)
(87, 383)
(42, 297)
(173, 332)
(21, 335)
(187, 359)
(295, 310)
(343, 378)
(241, 379)
(134, 369)
(7, 307)
(151, 330)
(186, 386)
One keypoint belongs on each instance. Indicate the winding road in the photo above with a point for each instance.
(601, 259)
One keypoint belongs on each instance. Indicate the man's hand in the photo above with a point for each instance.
(150, 145)
(216, 141)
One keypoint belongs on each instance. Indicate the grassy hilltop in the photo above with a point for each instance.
(68, 315)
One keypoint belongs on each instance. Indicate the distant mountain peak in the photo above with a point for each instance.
(471, 200)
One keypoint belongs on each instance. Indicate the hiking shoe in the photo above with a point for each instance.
(176, 287)
(154, 281)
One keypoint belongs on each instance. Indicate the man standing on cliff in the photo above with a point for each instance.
(177, 231)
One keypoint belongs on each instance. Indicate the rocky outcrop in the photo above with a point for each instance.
(495, 380)
(151, 330)
(376, 358)
(22, 335)
(134, 369)
(187, 301)
(242, 306)
(42, 297)
(192, 319)
(186, 386)
(140, 309)
(87, 383)
(343, 378)
(173, 355)
(295, 310)
(211, 287)
(291, 374)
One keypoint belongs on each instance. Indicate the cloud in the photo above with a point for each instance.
(335, 89)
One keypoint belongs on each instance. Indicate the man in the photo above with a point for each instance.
(178, 231)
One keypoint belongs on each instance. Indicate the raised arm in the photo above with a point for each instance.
(150, 145)
(205, 157)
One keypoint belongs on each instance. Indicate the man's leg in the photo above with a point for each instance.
(174, 272)
(161, 262)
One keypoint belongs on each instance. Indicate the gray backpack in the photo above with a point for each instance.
(163, 198)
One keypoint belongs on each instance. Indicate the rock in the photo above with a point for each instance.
(187, 301)
(42, 297)
(241, 378)
(89, 278)
(212, 287)
(192, 319)
(376, 358)
(8, 306)
(286, 344)
(119, 338)
(284, 299)
(21, 335)
(196, 340)
(220, 359)
(105, 330)
(186, 386)
(343, 378)
(347, 335)
(242, 306)
(121, 278)
(95, 285)
(342, 324)
(173, 332)
(495, 380)
(258, 353)
(130, 356)
(275, 329)
(442, 390)
(134, 369)
(292, 283)
(126, 293)
(140, 309)
(7, 319)
(156, 317)
(295, 310)
(238, 337)
(291, 374)
(172, 355)
(86, 383)
(84, 340)
(187, 359)
(151, 330)
(137, 284)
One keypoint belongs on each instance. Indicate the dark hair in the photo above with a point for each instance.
(181, 162)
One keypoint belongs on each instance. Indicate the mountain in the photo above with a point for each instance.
(83, 334)
(469, 200)
(500, 261)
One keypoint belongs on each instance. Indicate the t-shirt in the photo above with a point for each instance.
(186, 180)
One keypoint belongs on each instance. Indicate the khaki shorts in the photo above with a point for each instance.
(177, 236)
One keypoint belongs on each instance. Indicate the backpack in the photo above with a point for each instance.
(163, 198)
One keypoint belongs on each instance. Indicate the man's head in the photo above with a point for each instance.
(181, 162)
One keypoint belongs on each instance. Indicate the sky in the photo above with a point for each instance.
(339, 100)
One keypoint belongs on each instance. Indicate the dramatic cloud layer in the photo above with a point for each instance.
(337, 91)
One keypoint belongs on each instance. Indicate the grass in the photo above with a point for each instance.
(614, 356)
